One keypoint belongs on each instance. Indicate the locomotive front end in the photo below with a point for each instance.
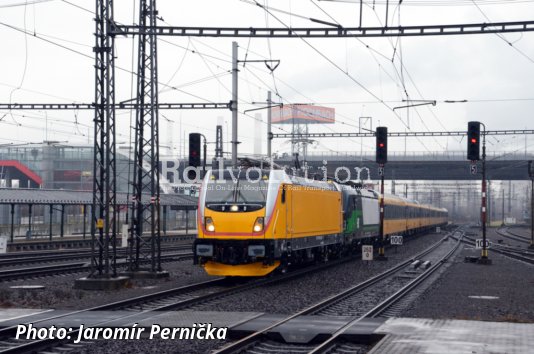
(232, 224)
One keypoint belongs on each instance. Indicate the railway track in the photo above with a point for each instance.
(174, 299)
(13, 259)
(505, 232)
(71, 268)
(8, 343)
(358, 302)
(522, 255)
(515, 249)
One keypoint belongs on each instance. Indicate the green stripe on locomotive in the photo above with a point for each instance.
(354, 224)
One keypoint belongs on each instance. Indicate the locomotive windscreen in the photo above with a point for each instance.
(237, 187)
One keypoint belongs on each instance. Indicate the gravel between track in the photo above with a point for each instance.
(493, 236)
(290, 297)
(152, 346)
(60, 294)
(509, 280)
(282, 298)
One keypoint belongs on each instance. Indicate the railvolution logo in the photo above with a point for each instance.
(341, 174)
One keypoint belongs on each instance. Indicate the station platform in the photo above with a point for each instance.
(394, 335)
(418, 336)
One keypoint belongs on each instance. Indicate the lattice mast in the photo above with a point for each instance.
(104, 208)
(145, 248)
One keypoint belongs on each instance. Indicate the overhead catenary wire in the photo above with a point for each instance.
(25, 61)
(90, 57)
(345, 70)
(352, 78)
(501, 36)
(433, 3)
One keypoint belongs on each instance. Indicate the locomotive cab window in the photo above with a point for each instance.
(237, 192)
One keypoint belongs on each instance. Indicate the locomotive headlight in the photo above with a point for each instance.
(234, 208)
(209, 224)
(258, 225)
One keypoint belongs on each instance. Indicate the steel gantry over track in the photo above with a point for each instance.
(398, 134)
(329, 32)
(120, 105)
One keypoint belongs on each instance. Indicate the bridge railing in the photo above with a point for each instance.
(410, 156)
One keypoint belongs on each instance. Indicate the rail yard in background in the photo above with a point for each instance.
(130, 243)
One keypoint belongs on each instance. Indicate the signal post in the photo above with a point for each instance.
(381, 159)
(473, 154)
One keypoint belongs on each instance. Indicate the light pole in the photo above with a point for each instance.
(271, 65)
(270, 105)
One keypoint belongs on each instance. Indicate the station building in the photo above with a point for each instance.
(57, 166)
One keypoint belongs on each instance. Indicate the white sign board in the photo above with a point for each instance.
(3, 244)
(438, 229)
(509, 221)
(367, 253)
(124, 235)
(396, 240)
(478, 244)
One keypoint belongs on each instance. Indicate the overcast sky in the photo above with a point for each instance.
(348, 74)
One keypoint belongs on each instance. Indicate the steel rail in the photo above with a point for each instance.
(384, 305)
(144, 300)
(252, 338)
(513, 236)
(510, 254)
(4, 261)
(76, 267)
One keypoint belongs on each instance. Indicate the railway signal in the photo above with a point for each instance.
(473, 154)
(194, 149)
(473, 141)
(381, 145)
(381, 159)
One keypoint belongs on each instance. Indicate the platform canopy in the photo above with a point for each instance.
(70, 197)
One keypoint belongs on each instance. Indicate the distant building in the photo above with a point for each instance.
(53, 166)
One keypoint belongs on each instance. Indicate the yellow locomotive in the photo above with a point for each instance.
(252, 221)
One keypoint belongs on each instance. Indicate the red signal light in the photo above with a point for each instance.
(473, 140)
(381, 145)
